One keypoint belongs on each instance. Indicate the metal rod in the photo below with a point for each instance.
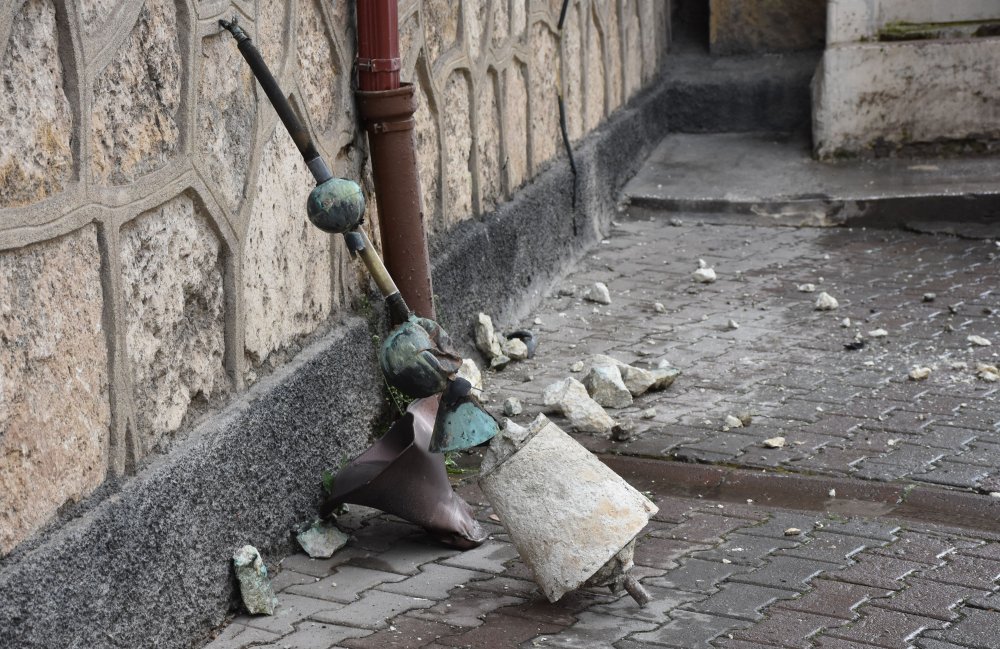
(383, 280)
(277, 98)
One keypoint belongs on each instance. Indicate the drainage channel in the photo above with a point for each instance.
(833, 495)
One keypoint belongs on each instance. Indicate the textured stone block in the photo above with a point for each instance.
(441, 21)
(488, 144)
(36, 159)
(753, 26)
(286, 261)
(632, 34)
(543, 95)
(458, 148)
(325, 86)
(134, 119)
(226, 115)
(516, 124)
(593, 83)
(172, 293)
(427, 136)
(54, 413)
(93, 13)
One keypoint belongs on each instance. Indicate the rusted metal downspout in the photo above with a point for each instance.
(386, 108)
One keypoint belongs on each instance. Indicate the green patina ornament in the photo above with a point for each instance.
(417, 358)
(336, 206)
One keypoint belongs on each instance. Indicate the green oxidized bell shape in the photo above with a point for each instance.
(336, 205)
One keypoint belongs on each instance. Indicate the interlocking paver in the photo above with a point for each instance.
(878, 571)
(434, 581)
(976, 630)
(825, 546)
(345, 584)
(696, 575)
(928, 598)
(787, 628)
(489, 557)
(664, 553)
(833, 598)
(405, 633)
(317, 635)
(962, 570)
(238, 636)
(594, 631)
(466, 607)
(373, 610)
(790, 573)
(885, 628)
(290, 611)
(689, 630)
(500, 630)
(742, 601)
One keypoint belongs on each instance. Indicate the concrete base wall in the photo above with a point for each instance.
(147, 563)
(868, 95)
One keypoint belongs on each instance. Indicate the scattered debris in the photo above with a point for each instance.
(807, 288)
(638, 380)
(569, 397)
(878, 333)
(255, 587)
(676, 222)
(774, 442)
(659, 308)
(499, 362)
(846, 323)
(930, 297)
(605, 385)
(704, 275)
(732, 325)
(598, 293)
(793, 531)
(995, 494)
(515, 349)
(958, 365)
(826, 302)
(979, 341)
(856, 344)
(987, 372)
(953, 308)
(486, 337)
(577, 366)
(527, 337)
(648, 413)
(832, 493)
(512, 407)
(920, 373)
(623, 431)
(320, 539)
(470, 372)
(733, 422)
(746, 417)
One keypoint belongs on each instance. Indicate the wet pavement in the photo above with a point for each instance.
(866, 449)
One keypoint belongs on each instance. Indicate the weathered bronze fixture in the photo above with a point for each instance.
(416, 357)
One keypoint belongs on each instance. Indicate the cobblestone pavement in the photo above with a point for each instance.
(728, 575)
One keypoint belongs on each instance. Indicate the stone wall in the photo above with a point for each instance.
(154, 258)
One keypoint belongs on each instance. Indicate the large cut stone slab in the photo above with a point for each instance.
(54, 413)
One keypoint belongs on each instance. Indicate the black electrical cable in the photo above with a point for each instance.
(562, 122)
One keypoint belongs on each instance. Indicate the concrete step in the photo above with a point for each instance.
(772, 179)
(768, 92)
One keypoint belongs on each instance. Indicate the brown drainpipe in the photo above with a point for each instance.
(386, 108)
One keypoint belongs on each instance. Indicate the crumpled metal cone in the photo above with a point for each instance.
(400, 476)
(461, 421)
(568, 514)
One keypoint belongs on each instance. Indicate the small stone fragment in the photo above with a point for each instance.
(255, 587)
(659, 308)
(598, 293)
(499, 362)
(774, 442)
(793, 531)
(702, 263)
(846, 323)
(622, 431)
(732, 325)
(470, 372)
(807, 288)
(704, 275)
(920, 373)
(512, 407)
(930, 297)
(605, 385)
(321, 539)
(746, 417)
(515, 349)
(995, 494)
(648, 413)
(486, 337)
(733, 422)
(832, 493)
(569, 397)
(987, 372)
(878, 333)
(826, 302)
(577, 366)
(675, 222)
(979, 341)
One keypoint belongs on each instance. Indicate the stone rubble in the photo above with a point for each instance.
(987, 372)
(512, 407)
(826, 302)
(605, 386)
(569, 397)
(321, 539)
(704, 275)
(979, 341)
(486, 337)
(515, 349)
(732, 421)
(598, 293)
(255, 586)
(920, 373)
(807, 288)
(470, 372)
(774, 442)
(636, 379)
(878, 333)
